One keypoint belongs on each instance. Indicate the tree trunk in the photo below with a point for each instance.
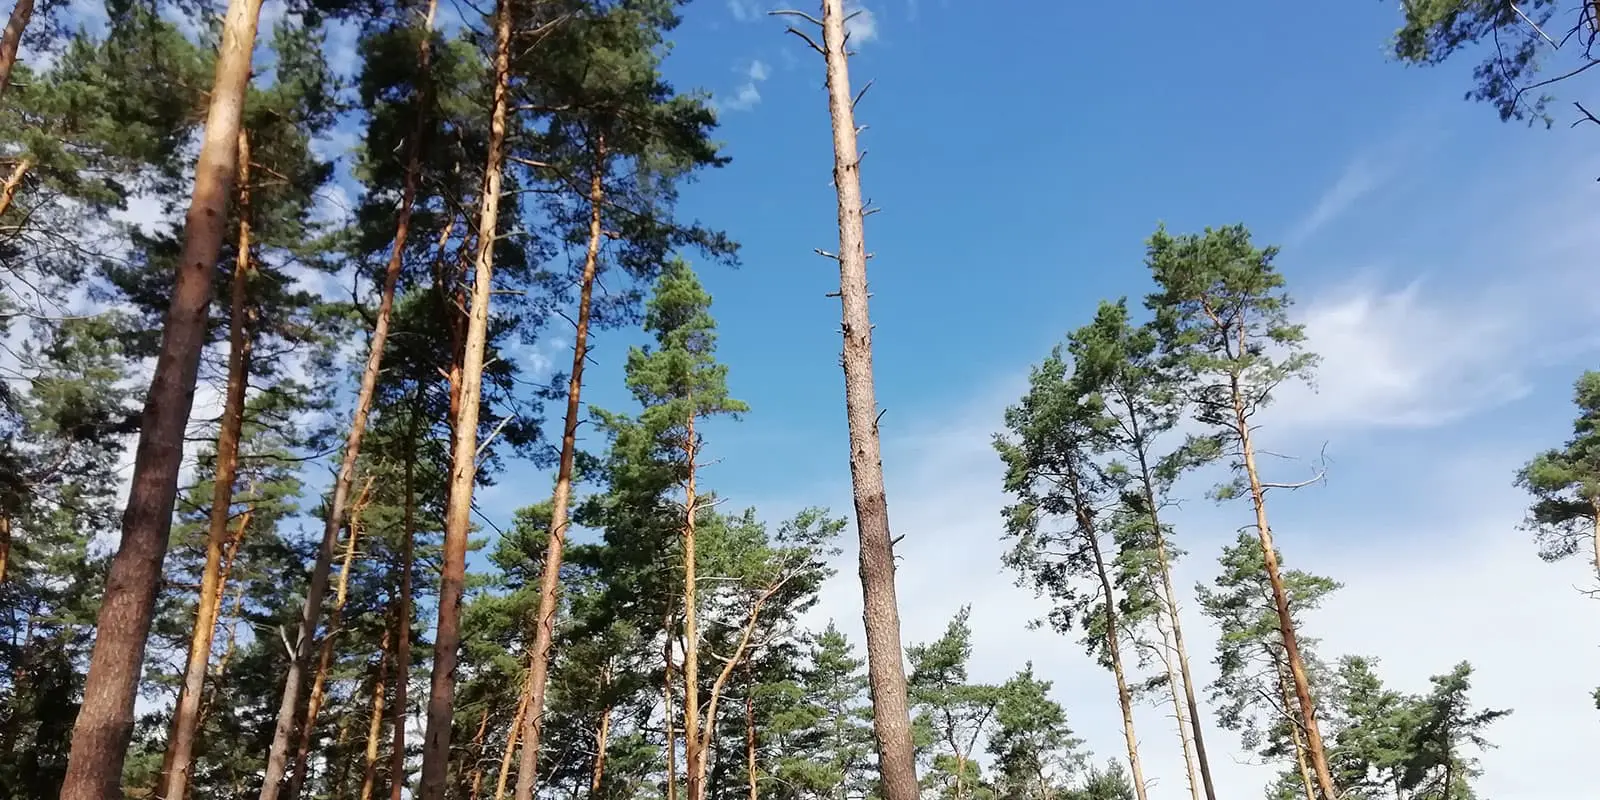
(352, 447)
(1287, 696)
(477, 762)
(1280, 598)
(1091, 538)
(666, 704)
(319, 681)
(600, 741)
(13, 182)
(1178, 714)
(891, 717)
(105, 718)
(238, 601)
(11, 40)
(186, 714)
(402, 649)
(693, 743)
(463, 460)
(550, 577)
(375, 727)
(750, 735)
(512, 736)
(5, 543)
(1170, 600)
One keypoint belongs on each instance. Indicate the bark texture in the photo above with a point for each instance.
(880, 609)
(186, 713)
(550, 577)
(463, 461)
(105, 719)
(369, 777)
(11, 40)
(13, 182)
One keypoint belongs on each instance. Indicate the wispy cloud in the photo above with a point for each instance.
(861, 24)
(1360, 178)
(745, 10)
(748, 93)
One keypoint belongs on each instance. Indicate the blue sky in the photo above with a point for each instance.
(1022, 153)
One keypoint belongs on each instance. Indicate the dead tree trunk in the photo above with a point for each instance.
(319, 680)
(550, 577)
(1280, 599)
(287, 707)
(463, 460)
(11, 40)
(186, 714)
(105, 718)
(880, 609)
(13, 182)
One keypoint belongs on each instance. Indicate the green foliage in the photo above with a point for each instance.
(1034, 750)
(952, 714)
(1565, 483)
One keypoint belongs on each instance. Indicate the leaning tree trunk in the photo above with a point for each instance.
(288, 705)
(105, 718)
(891, 717)
(13, 182)
(513, 735)
(1280, 598)
(550, 577)
(1166, 649)
(463, 460)
(319, 680)
(369, 777)
(186, 713)
(11, 40)
(1286, 695)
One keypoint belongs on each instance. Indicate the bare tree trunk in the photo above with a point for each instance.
(186, 714)
(375, 728)
(1286, 695)
(463, 460)
(13, 182)
(512, 737)
(550, 577)
(1170, 600)
(402, 649)
(1184, 723)
(105, 718)
(891, 717)
(750, 735)
(297, 777)
(693, 743)
(11, 40)
(358, 426)
(1087, 529)
(666, 713)
(238, 602)
(1280, 598)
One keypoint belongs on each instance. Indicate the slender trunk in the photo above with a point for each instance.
(13, 182)
(5, 543)
(512, 736)
(463, 460)
(891, 717)
(375, 727)
(666, 704)
(1178, 713)
(1594, 533)
(186, 715)
(402, 649)
(750, 734)
(341, 778)
(1280, 598)
(600, 741)
(1170, 600)
(694, 744)
(1086, 525)
(325, 659)
(550, 578)
(238, 602)
(11, 40)
(1287, 695)
(105, 718)
(352, 448)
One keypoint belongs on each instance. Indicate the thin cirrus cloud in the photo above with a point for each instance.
(748, 93)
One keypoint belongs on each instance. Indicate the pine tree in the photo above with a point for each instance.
(953, 714)
(1565, 483)
(1034, 750)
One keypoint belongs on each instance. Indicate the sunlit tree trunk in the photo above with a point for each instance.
(11, 40)
(668, 724)
(880, 610)
(550, 578)
(186, 713)
(13, 182)
(512, 736)
(1287, 695)
(375, 727)
(105, 717)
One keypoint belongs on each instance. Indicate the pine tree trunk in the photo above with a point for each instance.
(341, 779)
(186, 714)
(13, 182)
(463, 460)
(1091, 538)
(1178, 714)
(238, 602)
(105, 719)
(375, 728)
(1286, 694)
(11, 40)
(1280, 598)
(319, 680)
(891, 717)
(693, 743)
(550, 578)
(352, 448)
(601, 740)
(477, 762)
(402, 649)
(750, 739)
(512, 737)
(1170, 600)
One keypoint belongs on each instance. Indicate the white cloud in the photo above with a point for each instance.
(1359, 179)
(745, 10)
(861, 24)
(748, 93)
